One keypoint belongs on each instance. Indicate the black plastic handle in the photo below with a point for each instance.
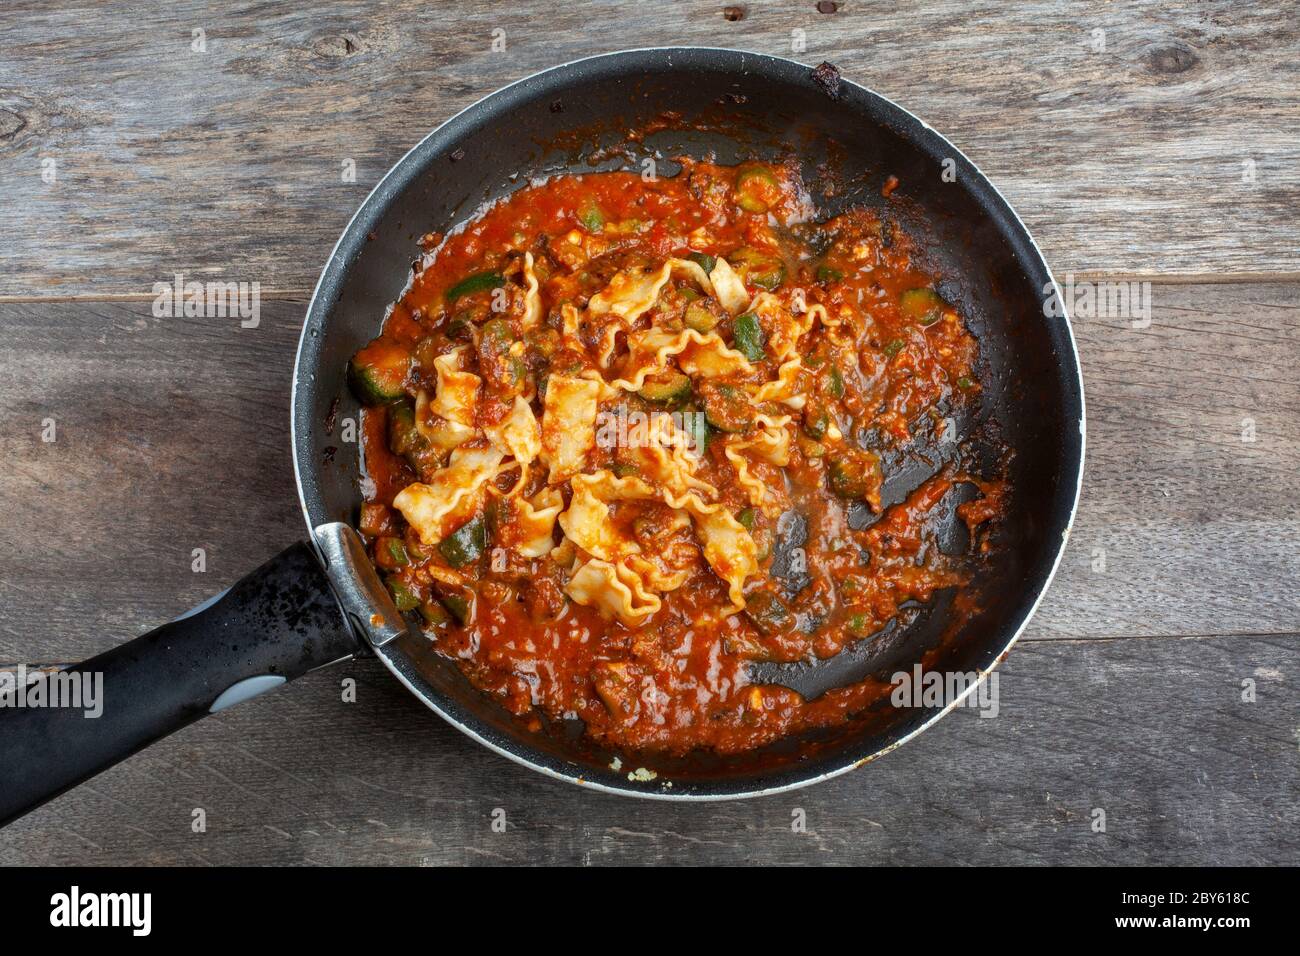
(276, 624)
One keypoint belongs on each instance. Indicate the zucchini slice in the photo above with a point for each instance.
(855, 474)
(922, 305)
(666, 387)
(749, 338)
(403, 596)
(466, 544)
(700, 317)
(704, 261)
(757, 188)
(766, 612)
(378, 372)
(726, 407)
(478, 282)
(591, 216)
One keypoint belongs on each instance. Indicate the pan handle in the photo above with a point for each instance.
(276, 624)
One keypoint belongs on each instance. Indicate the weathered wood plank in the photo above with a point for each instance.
(172, 434)
(300, 777)
(1187, 527)
(228, 162)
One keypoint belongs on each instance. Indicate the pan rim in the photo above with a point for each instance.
(377, 202)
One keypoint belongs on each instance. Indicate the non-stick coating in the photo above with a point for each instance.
(749, 105)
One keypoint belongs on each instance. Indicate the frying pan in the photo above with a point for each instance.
(320, 601)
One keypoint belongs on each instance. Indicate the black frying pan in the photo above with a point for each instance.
(320, 601)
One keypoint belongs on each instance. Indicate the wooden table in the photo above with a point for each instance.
(1135, 141)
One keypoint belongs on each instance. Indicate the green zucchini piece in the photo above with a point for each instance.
(699, 430)
(391, 553)
(765, 610)
(749, 338)
(855, 475)
(499, 331)
(543, 340)
(922, 305)
(757, 189)
(699, 317)
(768, 276)
(458, 600)
(670, 387)
(466, 544)
(810, 448)
(591, 216)
(435, 614)
(403, 596)
(478, 282)
(726, 407)
(403, 437)
(817, 422)
(377, 373)
(704, 261)
(761, 268)
(375, 519)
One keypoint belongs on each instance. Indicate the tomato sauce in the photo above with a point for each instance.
(892, 371)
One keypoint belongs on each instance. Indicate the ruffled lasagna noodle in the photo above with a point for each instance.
(568, 425)
(452, 496)
(612, 573)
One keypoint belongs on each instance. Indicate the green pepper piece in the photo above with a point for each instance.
(467, 543)
(827, 275)
(479, 282)
(893, 348)
(749, 337)
(746, 518)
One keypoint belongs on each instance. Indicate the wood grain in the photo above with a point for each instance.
(1185, 527)
(173, 434)
(1153, 732)
(228, 162)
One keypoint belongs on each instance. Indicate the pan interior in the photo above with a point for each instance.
(728, 106)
